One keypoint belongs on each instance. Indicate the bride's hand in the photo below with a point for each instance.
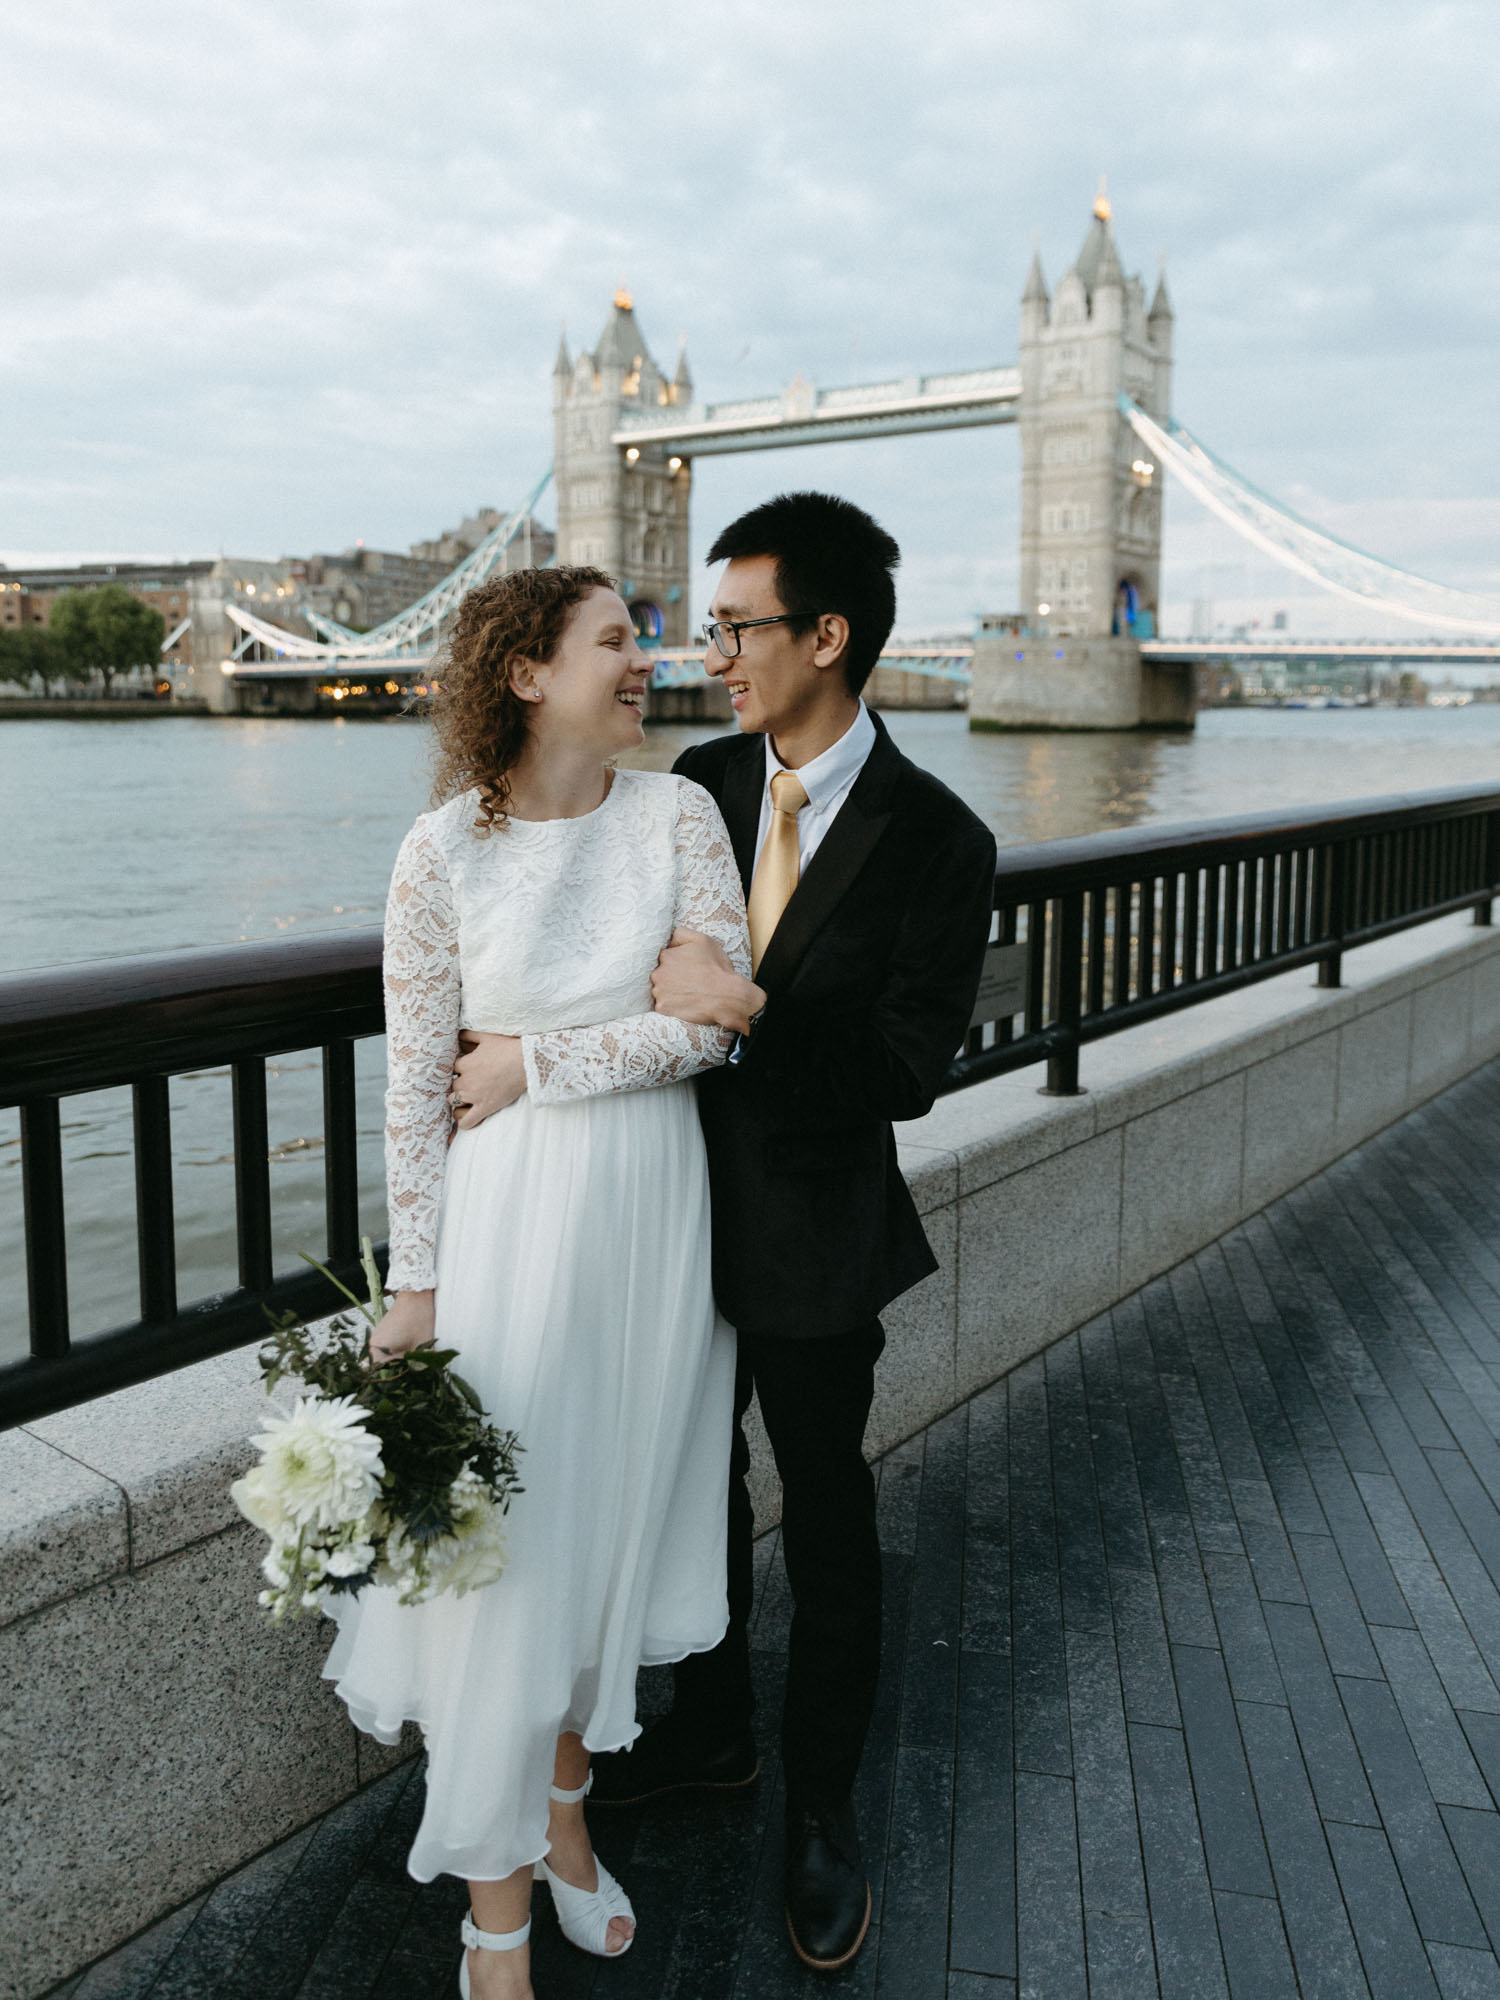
(488, 1075)
(408, 1323)
(694, 981)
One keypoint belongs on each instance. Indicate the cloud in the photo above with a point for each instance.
(283, 275)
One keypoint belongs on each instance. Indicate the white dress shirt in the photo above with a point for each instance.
(827, 780)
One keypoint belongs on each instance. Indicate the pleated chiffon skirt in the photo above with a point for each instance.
(573, 1278)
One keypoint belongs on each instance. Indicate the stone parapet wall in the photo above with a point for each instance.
(156, 1732)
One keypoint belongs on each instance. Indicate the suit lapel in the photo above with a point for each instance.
(744, 783)
(842, 852)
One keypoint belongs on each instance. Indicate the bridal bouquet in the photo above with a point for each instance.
(388, 1475)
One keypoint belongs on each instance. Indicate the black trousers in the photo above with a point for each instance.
(815, 1398)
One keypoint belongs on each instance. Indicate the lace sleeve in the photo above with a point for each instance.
(643, 1050)
(421, 1022)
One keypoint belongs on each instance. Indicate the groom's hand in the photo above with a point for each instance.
(694, 981)
(488, 1075)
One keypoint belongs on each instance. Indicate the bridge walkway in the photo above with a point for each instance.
(1193, 1631)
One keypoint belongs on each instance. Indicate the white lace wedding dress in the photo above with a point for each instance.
(568, 1238)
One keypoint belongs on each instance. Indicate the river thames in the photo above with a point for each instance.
(143, 836)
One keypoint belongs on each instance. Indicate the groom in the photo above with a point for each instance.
(870, 888)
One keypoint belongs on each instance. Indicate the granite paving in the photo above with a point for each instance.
(1192, 1668)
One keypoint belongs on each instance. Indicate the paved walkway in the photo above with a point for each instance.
(1193, 1630)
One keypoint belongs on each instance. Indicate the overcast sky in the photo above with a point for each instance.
(277, 277)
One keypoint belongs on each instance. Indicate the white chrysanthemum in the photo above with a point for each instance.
(472, 1555)
(480, 1556)
(475, 1553)
(321, 1466)
(261, 1505)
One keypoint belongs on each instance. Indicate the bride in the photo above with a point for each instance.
(560, 1243)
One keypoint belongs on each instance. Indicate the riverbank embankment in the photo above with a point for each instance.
(31, 708)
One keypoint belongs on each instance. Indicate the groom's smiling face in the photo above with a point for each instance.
(774, 681)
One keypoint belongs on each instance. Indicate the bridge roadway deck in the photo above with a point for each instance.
(1193, 1641)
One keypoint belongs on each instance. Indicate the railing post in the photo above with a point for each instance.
(1484, 913)
(46, 1236)
(1333, 870)
(252, 1174)
(340, 1154)
(1066, 1005)
(156, 1242)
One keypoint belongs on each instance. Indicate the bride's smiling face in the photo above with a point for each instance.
(592, 691)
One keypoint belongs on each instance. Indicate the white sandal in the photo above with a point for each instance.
(585, 1915)
(477, 1940)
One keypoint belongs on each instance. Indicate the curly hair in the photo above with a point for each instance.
(480, 719)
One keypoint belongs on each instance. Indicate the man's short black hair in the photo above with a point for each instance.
(830, 556)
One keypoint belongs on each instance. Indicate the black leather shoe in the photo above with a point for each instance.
(668, 1757)
(827, 1896)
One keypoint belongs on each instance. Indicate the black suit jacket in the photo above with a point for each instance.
(870, 981)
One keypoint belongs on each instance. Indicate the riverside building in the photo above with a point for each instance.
(359, 588)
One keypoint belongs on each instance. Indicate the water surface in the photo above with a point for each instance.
(144, 836)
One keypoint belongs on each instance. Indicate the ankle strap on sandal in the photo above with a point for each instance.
(477, 1940)
(563, 1798)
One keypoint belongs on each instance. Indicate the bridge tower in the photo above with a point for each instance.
(623, 509)
(1090, 501)
(1091, 508)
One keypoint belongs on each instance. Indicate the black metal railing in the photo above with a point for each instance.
(1097, 934)
(139, 1022)
(1091, 936)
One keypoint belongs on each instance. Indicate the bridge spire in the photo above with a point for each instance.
(620, 344)
(682, 380)
(1098, 261)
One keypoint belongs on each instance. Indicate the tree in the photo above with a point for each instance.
(107, 631)
(26, 650)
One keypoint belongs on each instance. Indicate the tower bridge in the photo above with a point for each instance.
(625, 436)
(1090, 394)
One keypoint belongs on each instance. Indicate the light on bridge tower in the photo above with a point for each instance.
(625, 512)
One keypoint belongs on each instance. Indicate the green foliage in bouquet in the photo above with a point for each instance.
(390, 1475)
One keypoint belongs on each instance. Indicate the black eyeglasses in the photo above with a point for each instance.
(725, 634)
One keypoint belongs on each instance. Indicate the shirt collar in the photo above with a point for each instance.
(835, 768)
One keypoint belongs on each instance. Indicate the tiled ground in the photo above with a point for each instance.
(1193, 1634)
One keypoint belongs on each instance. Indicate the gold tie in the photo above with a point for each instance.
(779, 866)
